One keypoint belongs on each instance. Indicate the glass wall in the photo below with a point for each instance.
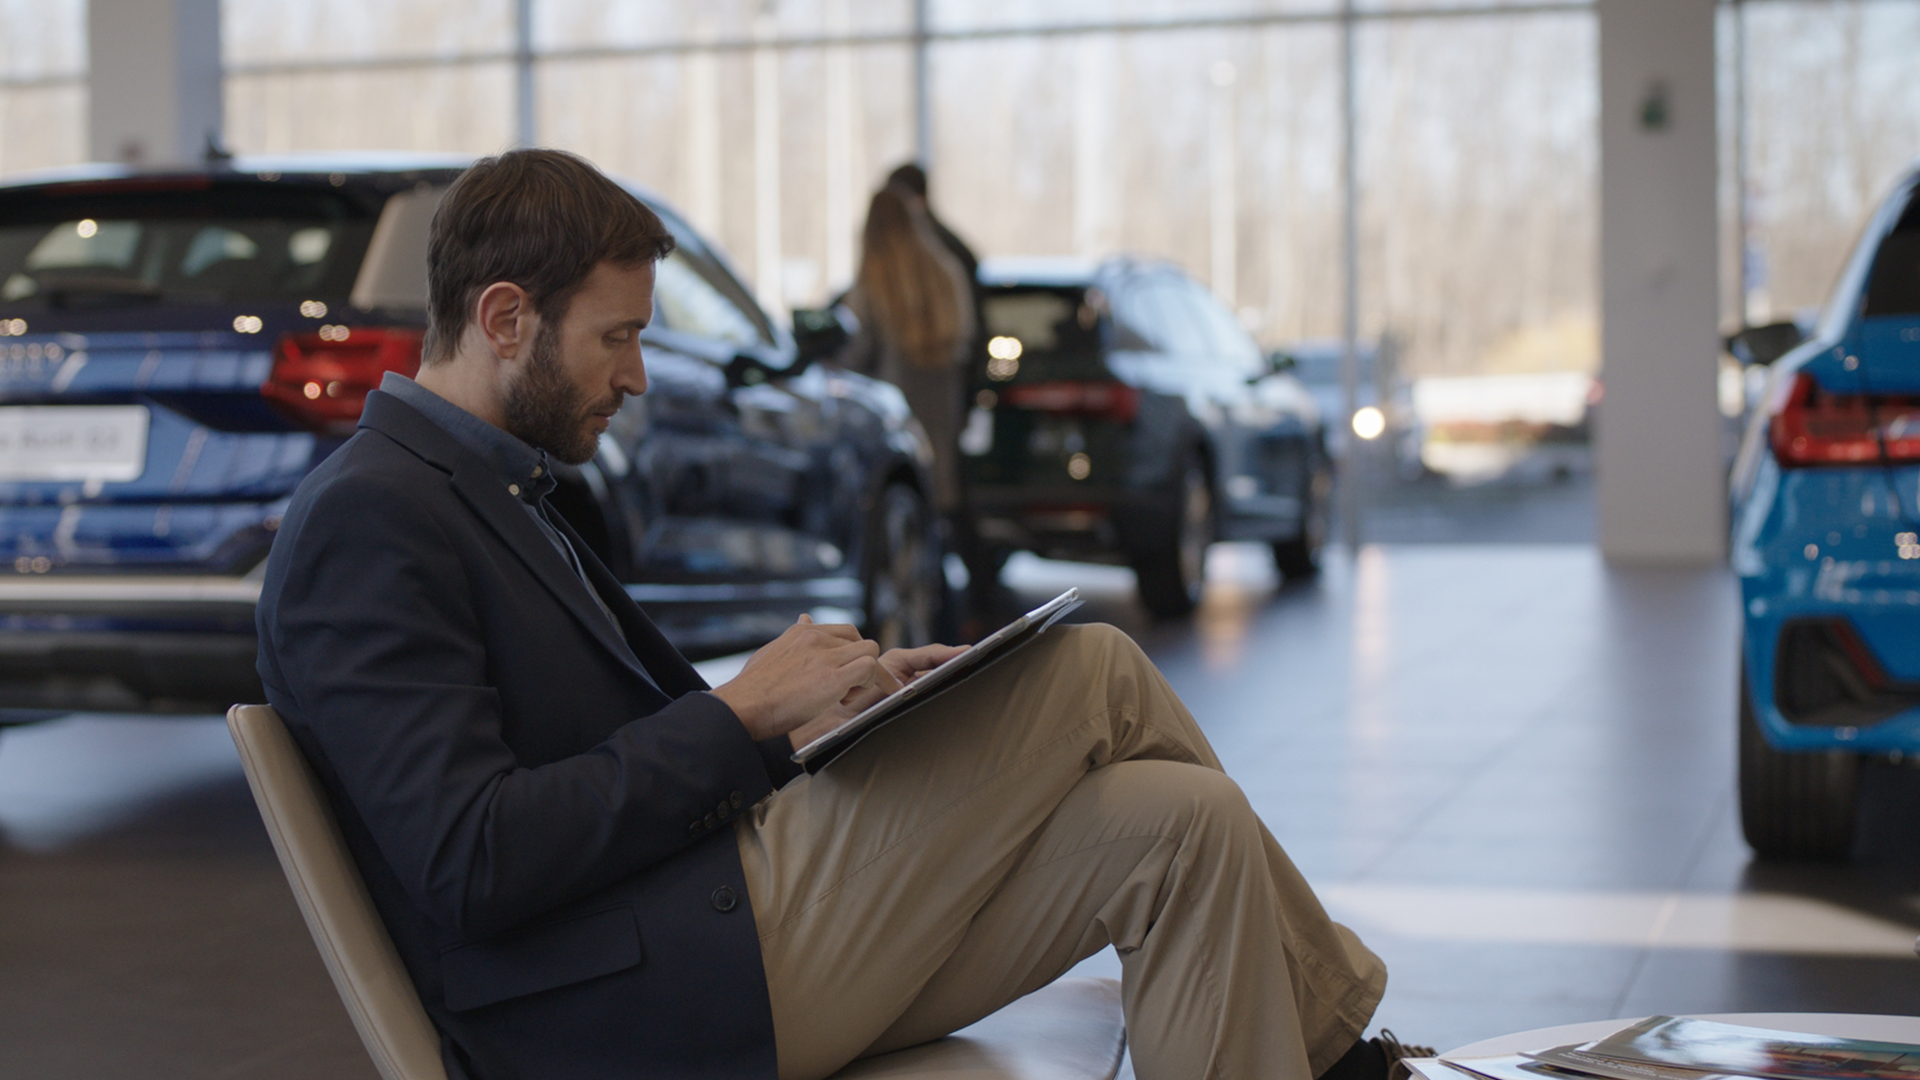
(43, 96)
(1833, 118)
(1214, 144)
(369, 75)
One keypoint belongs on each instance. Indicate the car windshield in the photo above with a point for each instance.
(1044, 320)
(1319, 363)
(1894, 287)
(101, 247)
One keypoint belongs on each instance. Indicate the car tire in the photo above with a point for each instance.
(1298, 557)
(1794, 807)
(1171, 566)
(902, 575)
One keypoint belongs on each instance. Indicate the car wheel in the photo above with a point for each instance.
(1172, 568)
(1794, 807)
(1299, 557)
(902, 575)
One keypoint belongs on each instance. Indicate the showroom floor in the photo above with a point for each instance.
(1509, 767)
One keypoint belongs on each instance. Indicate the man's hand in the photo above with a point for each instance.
(803, 673)
(903, 665)
(906, 665)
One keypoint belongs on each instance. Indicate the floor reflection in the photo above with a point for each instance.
(1511, 767)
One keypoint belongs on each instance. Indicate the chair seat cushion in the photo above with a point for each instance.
(1070, 1030)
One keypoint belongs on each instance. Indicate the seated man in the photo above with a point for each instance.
(594, 866)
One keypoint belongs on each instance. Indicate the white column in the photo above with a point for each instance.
(1223, 155)
(154, 83)
(1093, 166)
(1662, 483)
(701, 157)
(524, 121)
(922, 86)
(767, 269)
(841, 208)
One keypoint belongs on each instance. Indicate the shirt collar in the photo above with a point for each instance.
(521, 468)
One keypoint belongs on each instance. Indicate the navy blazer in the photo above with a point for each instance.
(546, 835)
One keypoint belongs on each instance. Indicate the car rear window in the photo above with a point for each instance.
(1061, 321)
(88, 246)
(1894, 287)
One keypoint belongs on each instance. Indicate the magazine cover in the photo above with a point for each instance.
(1784, 1055)
(1579, 1060)
(1517, 1067)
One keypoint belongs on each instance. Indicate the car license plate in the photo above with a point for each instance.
(73, 442)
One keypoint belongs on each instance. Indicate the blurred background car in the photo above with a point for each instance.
(1826, 543)
(1121, 414)
(1379, 385)
(179, 349)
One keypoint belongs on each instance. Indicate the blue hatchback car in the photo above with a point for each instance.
(1826, 543)
(179, 349)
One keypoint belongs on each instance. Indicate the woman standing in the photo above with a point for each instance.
(915, 307)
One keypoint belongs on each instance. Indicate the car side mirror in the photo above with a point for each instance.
(746, 370)
(1762, 345)
(821, 333)
(1279, 362)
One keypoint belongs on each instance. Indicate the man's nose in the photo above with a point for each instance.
(631, 377)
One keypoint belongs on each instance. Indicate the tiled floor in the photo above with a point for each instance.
(1509, 767)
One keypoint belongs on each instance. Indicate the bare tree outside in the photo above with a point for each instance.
(1478, 152)
(1833, 118)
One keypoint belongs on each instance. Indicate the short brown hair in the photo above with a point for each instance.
(541, 219)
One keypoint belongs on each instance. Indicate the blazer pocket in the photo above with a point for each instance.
(540, 957)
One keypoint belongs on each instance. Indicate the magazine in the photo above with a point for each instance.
(1665, 1048)
(1525, 1067)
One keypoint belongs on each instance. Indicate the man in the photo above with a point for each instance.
(595, 866)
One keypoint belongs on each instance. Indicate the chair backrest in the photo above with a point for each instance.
(359, 954)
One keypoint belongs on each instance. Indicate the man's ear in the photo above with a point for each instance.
(505, 319)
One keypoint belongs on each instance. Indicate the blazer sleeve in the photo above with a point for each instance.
(373, 634)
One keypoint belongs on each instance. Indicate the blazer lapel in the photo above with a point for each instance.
(508, 517)
(661, 660)
(665, 668)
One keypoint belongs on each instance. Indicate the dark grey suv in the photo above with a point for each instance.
(1121, 414)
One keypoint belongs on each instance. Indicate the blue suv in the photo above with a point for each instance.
(1826, 543)
(178, 350)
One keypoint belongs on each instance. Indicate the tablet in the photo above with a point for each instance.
(1001, 642)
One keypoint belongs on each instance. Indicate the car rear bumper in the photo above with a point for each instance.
(1856, 648)
(166, 644)
(1092, 524)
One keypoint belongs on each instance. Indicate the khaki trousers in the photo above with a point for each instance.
(1057, 803)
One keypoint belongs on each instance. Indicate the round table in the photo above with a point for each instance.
(1904, 1029)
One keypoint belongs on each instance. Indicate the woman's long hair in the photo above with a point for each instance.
(918, 300)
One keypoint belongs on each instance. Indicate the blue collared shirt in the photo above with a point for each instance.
(522, 469)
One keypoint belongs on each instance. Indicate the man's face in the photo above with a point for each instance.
(583, 365)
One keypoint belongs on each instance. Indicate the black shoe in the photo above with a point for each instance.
(1395, 1051)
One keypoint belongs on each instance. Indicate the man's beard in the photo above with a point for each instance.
(547, 411)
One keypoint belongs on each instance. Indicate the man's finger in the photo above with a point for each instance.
(849, 651)
(868, 671)
(927, 656)
(841, 631)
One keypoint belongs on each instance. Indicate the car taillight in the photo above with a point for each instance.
(1813, 426)
(321, 380)
(1114, 400)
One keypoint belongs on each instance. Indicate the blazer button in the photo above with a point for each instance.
(735, 799)
(723, 809)
(724, 899)
(712, 821)
(693, 828)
